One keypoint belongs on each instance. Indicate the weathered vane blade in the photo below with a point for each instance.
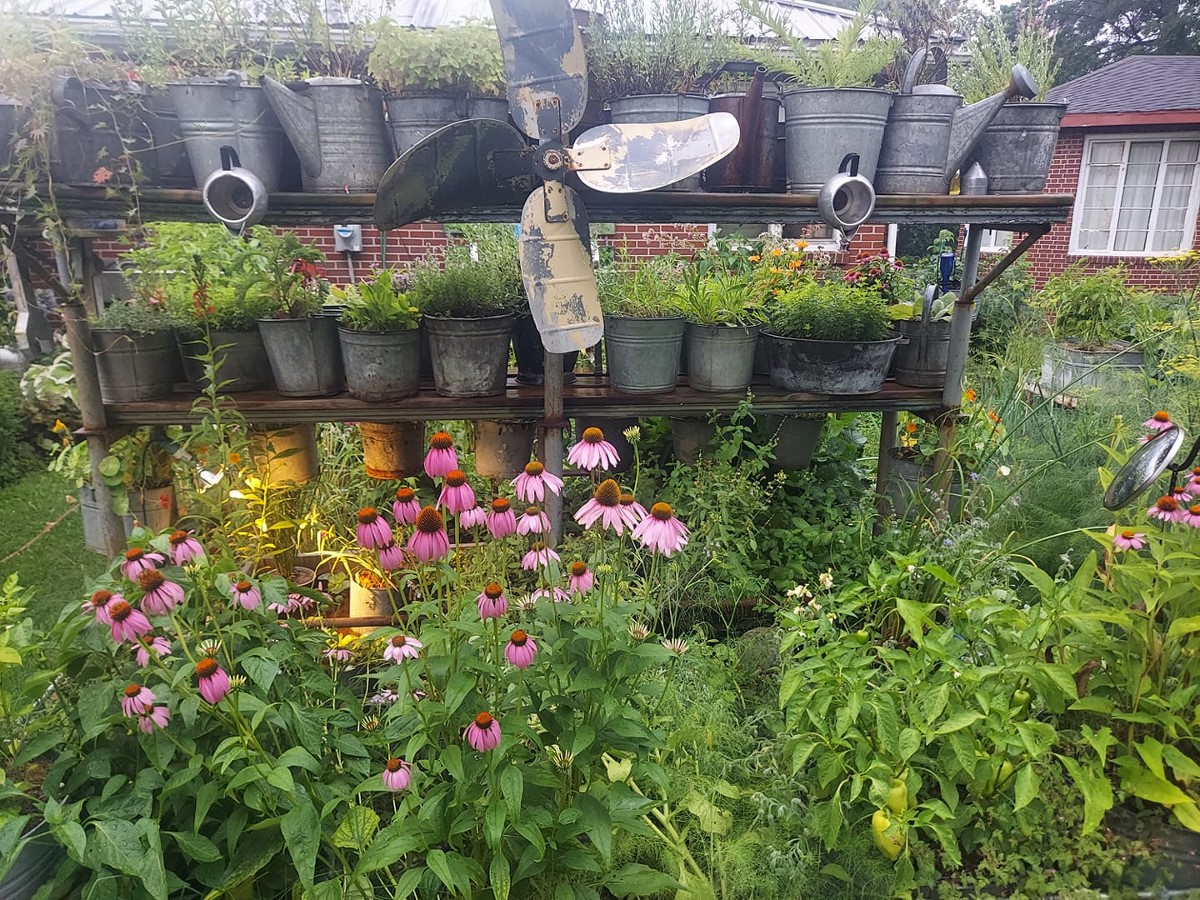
(544, 63)
(557, 269)
(645, 157)
(477, 162)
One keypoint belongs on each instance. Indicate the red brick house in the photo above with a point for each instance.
(1129, 150)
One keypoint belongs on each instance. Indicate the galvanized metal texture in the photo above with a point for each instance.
(544, 64)
(476, 162)
(646, 157)
(557, 270)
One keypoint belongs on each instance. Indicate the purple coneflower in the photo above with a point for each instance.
(155, 717)
(484, 732)
(138, 561)
(213, 682)
(373, 530)
(533, 521)
(632, 512)
(580, 578)
(1130, 540)
(337, 653)
(400, 648)
(406, 505)
(520, 650)
(184, 548)
(604, 507)
(491, 601)
(390, 556)
(1191, 515)
(661, 531)
(539, 555)
(429, 540)
(441, 458)
(397, 775)
(593, 451)
(159, 596)
(1166, 509)
(1181, 495)
(128, 624)
(136, 700)
(97, 605)
(1160, 421)
(474, 517)
(1193, 485)
(386, 697)
(456, 493)
(557, 594)
(151, 642)
(500, 520)
(245, 594)
(532, 484)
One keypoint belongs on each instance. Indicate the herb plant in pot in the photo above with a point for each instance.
(643, 331)
(379, 338)
(136, 354)
(724, 319)
(301, 343)
(468, 309)
(830, 338)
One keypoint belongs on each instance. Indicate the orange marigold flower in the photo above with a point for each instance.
(755, 258)
(970, 395)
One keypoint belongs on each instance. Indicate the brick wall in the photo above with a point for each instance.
(1050, 254)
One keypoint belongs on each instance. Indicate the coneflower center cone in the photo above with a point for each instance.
(535, 468)
(441, 441)
(150, 580)
(501, 505)
(455, 478)
(593, 435)
(578, 568)
(367, 515)
(662, 512)
(484, 720)
(493, 590)
(608, 493)
(519, 638)
(430, 521)
(207, 667)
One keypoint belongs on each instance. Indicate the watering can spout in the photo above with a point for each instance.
(970, 122)
(298, 115)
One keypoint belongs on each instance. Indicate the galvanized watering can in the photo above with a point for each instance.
(930, 133)
(847, 199)
(234, 196)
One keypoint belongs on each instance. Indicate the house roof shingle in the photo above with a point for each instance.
(1136, 84)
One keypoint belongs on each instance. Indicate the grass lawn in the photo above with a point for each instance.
(41, 538)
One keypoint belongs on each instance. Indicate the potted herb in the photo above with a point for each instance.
(301, 343)
(830, 338)
(1091, 318)
(379, 338)
(435, 77)
(137, 357)
(643, 330)
(468, 310)
(834, 111)
(139, 473)
(724, 318)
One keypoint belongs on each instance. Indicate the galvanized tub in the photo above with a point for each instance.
(470, 356)
(216, 114)
(720, 357)
(1067, 368)
(93, 503)
(922, 353)
(642, 355)
(240, 356)
(287, 453)
(503, 447)
(823, 125)
(13, 120)
(96, 126)
(381, 365)
(1016, 150)
(133, 367)
(648, 109)
(305, 356)
(167, 164)
(916, 144)
(393, 450)
(830, 367)
(338, 130)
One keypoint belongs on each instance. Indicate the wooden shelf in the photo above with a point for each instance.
(589, 395)
(98, 211)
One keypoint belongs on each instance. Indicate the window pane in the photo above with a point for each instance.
(1137, 198)
(1183, 151)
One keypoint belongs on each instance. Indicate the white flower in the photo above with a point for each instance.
(1004, 471)
(800, 592)
(826, 580)
(632, 433)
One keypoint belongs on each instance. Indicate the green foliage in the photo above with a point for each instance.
(1087, 40)
(829, 311)
(717, 298)
(281, 273)
(16, 453)
(378, 305)
(851, 59)
(994, 53)
(642, 290)
(459, 58)
(1093, 309)
(466, 289)
(138, 315)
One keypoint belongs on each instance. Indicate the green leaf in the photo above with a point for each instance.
(118, 844)
(153, 872)
(500, 877)
(254, 850)
(452, 760)
(493, 824)
(72, 836)
(9, 656)
(637, 880)
(1097, 793)
(1186, 625)
(260, 668)
(355, 831)
(1024, 787)
(301, 827)
(711, 817)
(389, 847)
(281, 777)
(958, 721)
(584, 736)
(1039, 579)
(908, 743)
(460, 685)
(512, 786)
(596, 822)
(791, 682)
(1150, 787)
(196, 847)
(406, 884)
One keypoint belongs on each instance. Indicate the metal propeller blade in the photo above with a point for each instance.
(477, 162)
(645, 157)
(557, 269)
(545, 65)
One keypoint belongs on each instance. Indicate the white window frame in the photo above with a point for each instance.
(1189, 224)
(996, 240)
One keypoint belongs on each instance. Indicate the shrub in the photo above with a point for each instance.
(828, 311)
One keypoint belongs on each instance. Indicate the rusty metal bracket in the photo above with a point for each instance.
(1032, 236)
(593, 158)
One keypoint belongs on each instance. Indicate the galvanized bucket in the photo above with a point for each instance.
(240, 358)
(487, 108)
(134, 367)
(911, 489)
(922, 353)
(393, 450)
(823, 125)
(1016, 150)
(380, 365)
(13, 120)
(720, 357)
(153, 508)
(916, 145)
(470, 356)
(796, 438)
(690, 438)
(167, 164)
(830, 367)
(502, 448)
(741, 171)
(643, 354)
(96, 126)
(648, 109)
(337, 128)
(366, 601)
(286, 454)
(305, 356)
(93, 503)
(216, 114)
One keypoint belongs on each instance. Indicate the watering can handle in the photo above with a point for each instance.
(849, 165)
(229, 158)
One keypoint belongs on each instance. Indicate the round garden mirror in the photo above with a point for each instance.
(1142, 469)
